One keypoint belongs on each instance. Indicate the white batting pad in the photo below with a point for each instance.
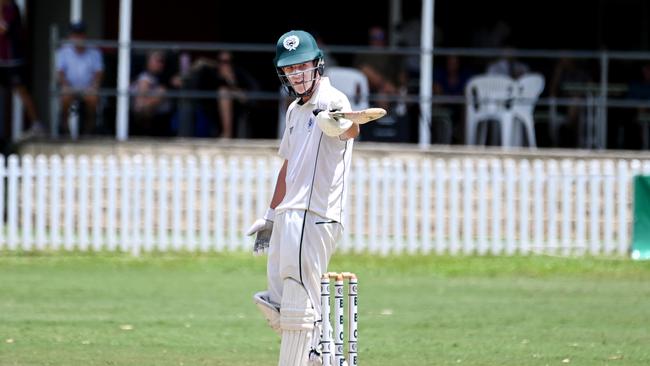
(296, 311)
(271, 311)
(297, 317)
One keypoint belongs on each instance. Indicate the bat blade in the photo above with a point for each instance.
(362, 116)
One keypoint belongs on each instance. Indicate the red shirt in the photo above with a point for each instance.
(8, 39)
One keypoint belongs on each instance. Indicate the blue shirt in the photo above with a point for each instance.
(79, 69)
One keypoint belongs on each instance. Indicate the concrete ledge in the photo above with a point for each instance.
(194, 146)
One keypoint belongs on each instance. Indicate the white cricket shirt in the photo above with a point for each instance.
(318, 165)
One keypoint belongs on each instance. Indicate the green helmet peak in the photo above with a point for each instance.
(296, 47)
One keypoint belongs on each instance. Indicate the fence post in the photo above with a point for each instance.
(441, 177)
(27, 194)
(41, 207)
(373, 198)
(386, 183)
(247, 195)
(12, 202)
(204, 190)
(595, 179)
(111, 201)
(97, 202)
(426, 201)
(55, 196)
(497, 207)
(412, 178)
(580, 211)
(190, 241)
(125, 204)
(482, 215)
(136, 200)
(538, 203)
(163, 203)
(552, 207)
(524, 207)
(360, 208)
(454, 217)
(398, 243)
(148, 222)
(468, 206)
(219, 187)
(567, 218)
(69, 174)
(609, 172)
(177, 219)
(82, 221)
(233, 207)
(622, 188)
(511, 214)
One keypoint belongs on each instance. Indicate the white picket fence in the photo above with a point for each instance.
(408, 205)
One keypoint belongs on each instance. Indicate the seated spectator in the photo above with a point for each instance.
(385, 72)
(508, 65)
(568, 72)
(151, 109)
(231, 83)
(80, 69)
(640, 91)
(450, 80)
(12, 63)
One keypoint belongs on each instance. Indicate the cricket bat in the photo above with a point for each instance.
(362, 116)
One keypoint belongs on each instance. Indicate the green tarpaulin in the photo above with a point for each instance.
(641, 231)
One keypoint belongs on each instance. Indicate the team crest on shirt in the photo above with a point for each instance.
(291, 43)
(310, 123)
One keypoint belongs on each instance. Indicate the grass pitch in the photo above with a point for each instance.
(70, 309)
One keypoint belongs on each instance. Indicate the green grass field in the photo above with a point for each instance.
(197, 310)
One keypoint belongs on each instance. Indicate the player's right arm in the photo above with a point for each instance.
(280, 186)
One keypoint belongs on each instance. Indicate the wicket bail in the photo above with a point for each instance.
(326, 341)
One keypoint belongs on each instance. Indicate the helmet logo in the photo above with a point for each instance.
(291, 43)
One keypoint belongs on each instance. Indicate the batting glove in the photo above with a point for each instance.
(331, 126)
(263, 228)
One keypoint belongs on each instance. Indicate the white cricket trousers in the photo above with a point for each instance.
(301, 246)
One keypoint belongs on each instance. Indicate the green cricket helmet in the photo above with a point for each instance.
(297, 47)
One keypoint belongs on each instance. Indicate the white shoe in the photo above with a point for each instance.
(37, 130)
(315, 359)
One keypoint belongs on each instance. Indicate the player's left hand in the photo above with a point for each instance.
(332, 127)
(263, 228)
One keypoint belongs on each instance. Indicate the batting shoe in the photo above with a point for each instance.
(315, 359)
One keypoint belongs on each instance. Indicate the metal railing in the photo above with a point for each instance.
(596, 98)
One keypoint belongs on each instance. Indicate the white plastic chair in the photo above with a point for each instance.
(351, 82)
(529, 87)
(489, 97)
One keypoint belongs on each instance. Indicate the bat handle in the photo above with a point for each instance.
(316, 111)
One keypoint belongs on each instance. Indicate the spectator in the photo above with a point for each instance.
(567, 72)
(495, 37)
(450, 80)
(385, 72)
(640, 91)
(12, 62)
(231, 83)
(151, 109)
(331, 61)
(80, 69)
(508, 65)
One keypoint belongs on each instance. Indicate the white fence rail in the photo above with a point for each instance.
(142, 203)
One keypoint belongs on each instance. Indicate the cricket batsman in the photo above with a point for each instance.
(303, 223)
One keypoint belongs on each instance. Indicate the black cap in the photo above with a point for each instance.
(78, 27)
